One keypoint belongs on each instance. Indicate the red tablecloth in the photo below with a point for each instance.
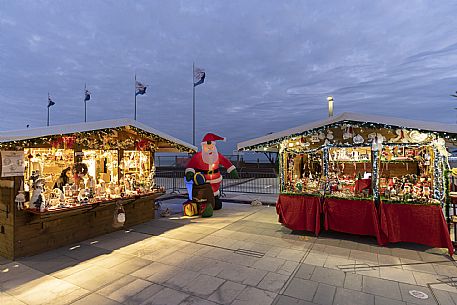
(362, 184)
(352, 216)
(422, 224)
(300, 212)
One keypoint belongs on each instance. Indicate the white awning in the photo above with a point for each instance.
(31, 133)
(352, 117)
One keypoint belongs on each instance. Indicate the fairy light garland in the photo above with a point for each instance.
(325, 162)
(375, 175)
(354, 124)
(297, 143)
(105, 138)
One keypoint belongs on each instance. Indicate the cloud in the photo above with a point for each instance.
(270, 65)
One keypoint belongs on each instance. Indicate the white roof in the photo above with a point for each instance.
(30, 133)
(354, 117)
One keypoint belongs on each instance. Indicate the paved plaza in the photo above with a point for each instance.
(241, 255)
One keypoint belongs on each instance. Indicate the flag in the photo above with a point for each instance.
(199, 76)
(86, 95)
(140, 88)
(50, 102)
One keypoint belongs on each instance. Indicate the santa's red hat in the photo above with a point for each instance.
(211, 137)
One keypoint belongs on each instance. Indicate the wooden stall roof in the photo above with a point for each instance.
(346, 117)
(68, 129)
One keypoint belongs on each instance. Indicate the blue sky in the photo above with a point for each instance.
(270, 64)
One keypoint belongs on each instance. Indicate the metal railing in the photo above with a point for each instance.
(172, 181)
(251, 182)
(181, 161)
(248, 182)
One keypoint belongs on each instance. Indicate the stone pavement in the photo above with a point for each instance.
(239, 256)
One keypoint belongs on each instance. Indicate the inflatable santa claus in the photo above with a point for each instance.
(207, 162)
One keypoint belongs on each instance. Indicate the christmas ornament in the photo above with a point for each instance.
(330, 135)
(358, 139)
(417, 137)
(348, 132)
(402, 136)
(20, 198)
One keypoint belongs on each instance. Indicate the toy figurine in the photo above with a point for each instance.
(37, 200)
(20, 198)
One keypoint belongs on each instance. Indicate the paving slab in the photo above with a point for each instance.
(254, 296)
(193, 300)
(124, 288)
(381, 287)
(305, 271)
(328, 276)
(95, 299)
(345, 296)
(353, 281)
(227, 292)
(166, 296)
(203, 285)
(301, 289)
(273, 282)
(185, 261)
(380, 300)
(324, 294)
(286, 300)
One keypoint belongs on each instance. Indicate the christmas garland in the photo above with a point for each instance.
(96, 139)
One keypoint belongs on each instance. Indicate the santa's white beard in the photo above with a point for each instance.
(210, 157)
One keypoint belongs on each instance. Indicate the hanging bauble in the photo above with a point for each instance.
(417, 137)
(348, 132)
(330, 135)
(402, 136)
(358, 139)
(315, 139)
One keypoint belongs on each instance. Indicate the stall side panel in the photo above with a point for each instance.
(7, 208)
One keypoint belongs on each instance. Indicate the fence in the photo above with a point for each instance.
(248, 182)
(181, 161)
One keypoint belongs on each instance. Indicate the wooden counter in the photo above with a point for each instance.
(32, 232)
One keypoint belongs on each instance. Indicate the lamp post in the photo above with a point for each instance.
(330, 106)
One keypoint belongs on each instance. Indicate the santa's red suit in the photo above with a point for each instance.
(210, 170)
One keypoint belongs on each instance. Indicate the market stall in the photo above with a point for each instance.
(63, 184)
(362, 167)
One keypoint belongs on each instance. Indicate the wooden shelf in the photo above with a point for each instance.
(37, 216)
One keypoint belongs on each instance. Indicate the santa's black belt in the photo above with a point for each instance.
(208, 172)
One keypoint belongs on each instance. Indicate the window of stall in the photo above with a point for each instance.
(350, 171)
(303, 172)
(102, 165)
(137, 170)
(46, 162)
(406, 173)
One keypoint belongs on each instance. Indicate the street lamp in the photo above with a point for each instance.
(330, 105)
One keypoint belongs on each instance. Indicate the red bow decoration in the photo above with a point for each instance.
(142, 145)
(68, 142)
(56, 142)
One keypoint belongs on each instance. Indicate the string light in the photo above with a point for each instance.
(106, 138)
(375, 175)
(355, 124)
(297, 143)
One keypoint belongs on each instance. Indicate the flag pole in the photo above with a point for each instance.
(85, 104)
(48, 109)
(193, 105)
(135, 98)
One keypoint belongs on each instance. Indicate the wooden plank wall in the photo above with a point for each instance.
(7, 208)
(35, 235)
